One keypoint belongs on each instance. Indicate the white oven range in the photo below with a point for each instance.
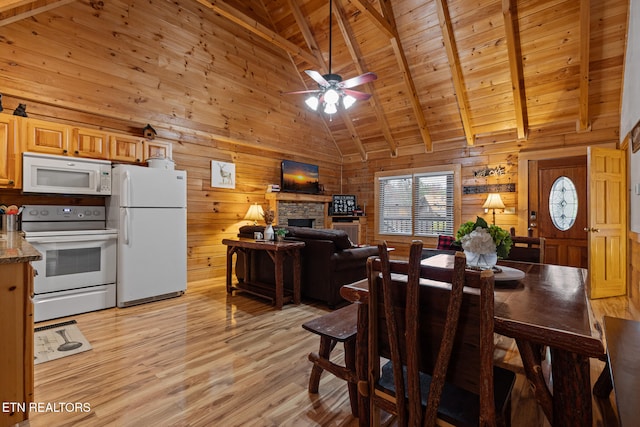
(77, 272)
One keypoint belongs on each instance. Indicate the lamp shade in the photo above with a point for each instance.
(254, 213)
(494, 201)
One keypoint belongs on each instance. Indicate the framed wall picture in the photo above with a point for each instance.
(223, 174)
(635, 137)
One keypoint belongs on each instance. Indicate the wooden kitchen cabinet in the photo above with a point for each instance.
(46, 137)
(10, 158)
(93, 144)
(155, 148)
(16, 333)
(125, 148)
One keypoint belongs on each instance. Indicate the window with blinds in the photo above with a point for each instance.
(420, 204)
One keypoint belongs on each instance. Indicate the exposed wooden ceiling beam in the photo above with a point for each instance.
(515, 65)
(360, 68)
(383, 24)
(223, 9)
(12, 4)
(585, 37)
(313, 45)
(398, 50)
(456, 70)
(16, 10)
(306, 31)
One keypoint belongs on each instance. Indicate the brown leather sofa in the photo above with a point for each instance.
(328, 260)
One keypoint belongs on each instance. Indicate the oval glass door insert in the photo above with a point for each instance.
(563, 203)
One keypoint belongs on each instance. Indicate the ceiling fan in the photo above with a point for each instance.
(331, 88)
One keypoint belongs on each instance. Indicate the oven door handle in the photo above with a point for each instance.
(69, 239)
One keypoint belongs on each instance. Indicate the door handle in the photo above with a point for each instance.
(591, 229)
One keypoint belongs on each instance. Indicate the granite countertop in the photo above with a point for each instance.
(14, 248)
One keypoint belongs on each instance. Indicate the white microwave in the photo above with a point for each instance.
(45, 173)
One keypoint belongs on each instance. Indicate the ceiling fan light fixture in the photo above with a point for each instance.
(330, 108)
(331, 96)
(312, 102)
(348, 101)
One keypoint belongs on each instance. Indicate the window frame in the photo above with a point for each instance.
(457, 200)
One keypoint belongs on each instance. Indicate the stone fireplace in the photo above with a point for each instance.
(296, 206)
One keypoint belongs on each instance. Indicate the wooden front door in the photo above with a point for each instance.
(607, 226)
(563, 246)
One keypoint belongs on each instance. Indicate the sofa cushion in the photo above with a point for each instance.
(340, 238)
(250, 229)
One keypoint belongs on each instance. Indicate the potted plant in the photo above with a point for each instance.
(280, 233)
(483, 244)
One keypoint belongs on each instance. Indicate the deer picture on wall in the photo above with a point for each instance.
(223, 174)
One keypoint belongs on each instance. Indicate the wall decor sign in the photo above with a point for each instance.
(223, 174)
(497, 171)
(489, 188)
(343, 204)
(635, 137)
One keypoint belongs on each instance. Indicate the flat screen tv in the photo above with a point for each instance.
(299, 177)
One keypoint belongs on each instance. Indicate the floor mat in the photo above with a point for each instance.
(58, 340)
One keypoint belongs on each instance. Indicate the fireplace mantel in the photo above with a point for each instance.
(278, 200)
(299, 197)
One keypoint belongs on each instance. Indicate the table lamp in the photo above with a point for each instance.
(254, 213)
(494, 201)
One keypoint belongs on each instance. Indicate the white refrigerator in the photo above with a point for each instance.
(148, 207)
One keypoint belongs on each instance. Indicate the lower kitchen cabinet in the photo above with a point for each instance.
(16, 335)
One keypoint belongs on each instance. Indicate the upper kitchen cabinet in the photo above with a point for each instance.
(10, 161)
(90, 143)
(126, 148)
(46, 137)
(155, 149)
(55, 138)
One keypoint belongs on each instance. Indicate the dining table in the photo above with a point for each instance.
(542, 306)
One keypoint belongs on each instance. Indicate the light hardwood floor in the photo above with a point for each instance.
(208, 359)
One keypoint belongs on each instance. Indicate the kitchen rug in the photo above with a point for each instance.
(58, 340)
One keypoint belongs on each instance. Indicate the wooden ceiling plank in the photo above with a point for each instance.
(585, 37)
(456, 69)
(223, 9)
(401, 58)
(36, 7)
(515, 66)
(360, 68)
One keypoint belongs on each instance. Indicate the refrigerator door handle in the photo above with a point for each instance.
(125, 224)
(126, 189)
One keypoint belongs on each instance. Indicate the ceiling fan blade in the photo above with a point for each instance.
(317, 77)
(360, 80)
(301, 91)
(361, 96)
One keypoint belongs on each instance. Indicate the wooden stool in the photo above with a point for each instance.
(338, 326)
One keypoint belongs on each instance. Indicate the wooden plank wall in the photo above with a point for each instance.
(359, 176)
(203, 83)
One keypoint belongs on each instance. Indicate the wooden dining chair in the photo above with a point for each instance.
(528, 249)
(438, 337)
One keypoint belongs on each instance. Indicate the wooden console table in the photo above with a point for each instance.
(277, 251)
